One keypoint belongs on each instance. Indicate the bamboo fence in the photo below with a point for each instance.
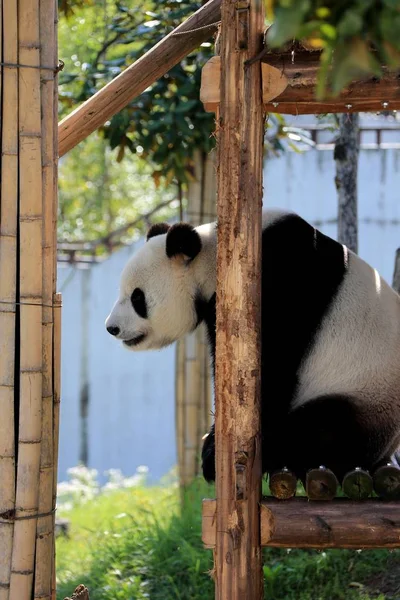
(193, 378)
(28, 372)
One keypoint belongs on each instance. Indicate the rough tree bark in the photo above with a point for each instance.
(346, 158)
(238, 559)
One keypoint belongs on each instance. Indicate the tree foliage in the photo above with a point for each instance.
(357, 36)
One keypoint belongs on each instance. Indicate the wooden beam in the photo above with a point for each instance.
(136, 78)
(289, 83)
(300, 523)
(238, 561)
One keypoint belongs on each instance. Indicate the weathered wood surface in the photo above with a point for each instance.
(346, 153)
(290, 87)
(321, 484)
(238, 561)
(80, 593)
(283, 484)
(298, 523)
(386, 480)
(136, 78)
(357, 484)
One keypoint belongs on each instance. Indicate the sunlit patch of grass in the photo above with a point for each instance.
(138, 544)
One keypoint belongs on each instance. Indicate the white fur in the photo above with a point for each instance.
(361, 329)
(170, 286)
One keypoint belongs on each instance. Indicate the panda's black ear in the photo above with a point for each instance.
(157, 229)
(183, 239)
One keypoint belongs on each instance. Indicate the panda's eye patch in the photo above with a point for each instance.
(139, 303)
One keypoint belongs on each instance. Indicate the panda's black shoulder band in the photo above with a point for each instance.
(157, 229)
(182, 238)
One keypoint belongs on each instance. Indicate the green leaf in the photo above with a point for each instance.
(287, 22)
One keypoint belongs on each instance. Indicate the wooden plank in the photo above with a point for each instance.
(135, 79)
(238, 565)
(289, 87)
(299, 523)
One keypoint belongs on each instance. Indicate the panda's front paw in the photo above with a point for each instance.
(208, 456)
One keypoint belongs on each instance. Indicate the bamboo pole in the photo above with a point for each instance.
(56, 410)
(31, 297)
(193, 389)
(27, 285)
(8, 291)
(136, 78)
(238, 562)
(45, 525)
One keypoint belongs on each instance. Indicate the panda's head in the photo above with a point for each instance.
(163, 285)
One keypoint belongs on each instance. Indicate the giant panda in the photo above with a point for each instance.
(330, 364)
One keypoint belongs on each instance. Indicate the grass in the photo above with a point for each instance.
(136, 544)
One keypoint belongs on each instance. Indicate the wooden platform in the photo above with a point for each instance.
(301, 523)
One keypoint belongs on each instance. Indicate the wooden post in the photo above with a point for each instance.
(27, 288)
(238, 562)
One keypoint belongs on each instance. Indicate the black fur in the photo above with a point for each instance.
(157, 229)
(138, 302)
(302, 270)
(183, 239)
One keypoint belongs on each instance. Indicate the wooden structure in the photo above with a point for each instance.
(284, 82)
(289, 80)
(29, 305)
(251, 81)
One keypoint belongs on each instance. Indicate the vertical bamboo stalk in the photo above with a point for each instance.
(30, 285)
(45, 524)
(56, 412)
(57, 302)
(8, 290)
(193, 393)
(238, 345)
(180, 386)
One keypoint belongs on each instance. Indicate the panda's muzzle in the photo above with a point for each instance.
(135, 341)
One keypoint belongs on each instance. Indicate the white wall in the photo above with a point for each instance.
(131, 418)
(305, 183)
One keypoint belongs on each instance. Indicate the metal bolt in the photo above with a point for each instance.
(385, 104)
(349, 106)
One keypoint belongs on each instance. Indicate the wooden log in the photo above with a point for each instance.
(298, 523)
(238, 563)
(136, 78)
(289, 83)
(283, 484)
(387, 482)
(321, 484)
(357, 484)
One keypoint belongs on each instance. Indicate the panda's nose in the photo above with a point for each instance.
(113, 330)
